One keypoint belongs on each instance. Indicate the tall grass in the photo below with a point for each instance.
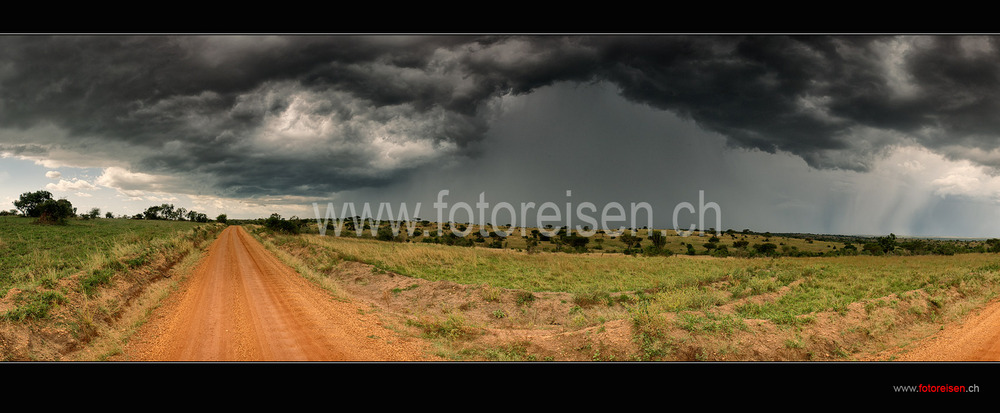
(32, 254)
(676, 283)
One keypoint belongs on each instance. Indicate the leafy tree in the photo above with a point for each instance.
(887, 243)
(55, 212)
(577, 242)
(29, 203)
(152, 212)
(741, 244)
(93, 214)
(278, 224)
(721, 251)
(221, 218)
(916, 246)
(873, 248)
(766, 248)
(993, 245)
(385, 234)
(531, 244)
(109, 215)
(658, 240)
(629, 240)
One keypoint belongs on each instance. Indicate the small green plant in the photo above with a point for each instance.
(795, 343)
(96, 279)
(710, 323)
(399, 290)
(500, 313)
(525, 298)
(34, 305)
(454, 327)
(491, 294)
(517, 351)
(649, 333)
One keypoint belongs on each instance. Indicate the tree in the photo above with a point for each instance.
(873, 248)
(887, 243)
(629, 240)
(152, 212)
(658, 240)
(30, 202)
(278, 224)
(221, 218)
(93, 214)
(55, 212)
(766, 248)
(993, 245)
(109, 215)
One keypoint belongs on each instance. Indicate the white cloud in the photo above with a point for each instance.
(74, 185)
(53, 174)
(136, 184)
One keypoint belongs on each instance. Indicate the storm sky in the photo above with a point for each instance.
(822, 134)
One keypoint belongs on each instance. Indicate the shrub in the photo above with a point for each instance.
(55, 212)
(278, 224)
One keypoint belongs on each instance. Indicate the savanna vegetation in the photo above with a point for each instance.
(711, 296)
(65, 276)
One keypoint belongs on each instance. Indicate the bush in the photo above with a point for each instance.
(278, 224)
(55, 212)
(766, 248)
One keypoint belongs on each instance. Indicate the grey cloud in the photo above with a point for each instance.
(290, 114)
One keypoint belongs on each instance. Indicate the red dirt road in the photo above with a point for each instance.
(243, 304)
(976, 338)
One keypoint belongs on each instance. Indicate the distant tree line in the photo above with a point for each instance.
(171, 213)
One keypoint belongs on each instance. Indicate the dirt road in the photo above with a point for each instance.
(976, 338)
(243, 304)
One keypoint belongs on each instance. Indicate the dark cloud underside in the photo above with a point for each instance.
(255, 115)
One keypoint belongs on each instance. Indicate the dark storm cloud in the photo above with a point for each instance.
(252, 115)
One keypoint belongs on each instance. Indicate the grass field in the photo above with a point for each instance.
(678, 282)
(32, 253)
(66, 288)
(700, 294)
(676, 307)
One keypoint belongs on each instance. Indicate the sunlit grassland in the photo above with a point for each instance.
(31, 253)
(677, 283)
(604, 242)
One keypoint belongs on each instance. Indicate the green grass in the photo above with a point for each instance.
(454, 327)
(34, 305)
(96, 279)
(673, 283)
(647, 287)
(578, 273)
(31, 254)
